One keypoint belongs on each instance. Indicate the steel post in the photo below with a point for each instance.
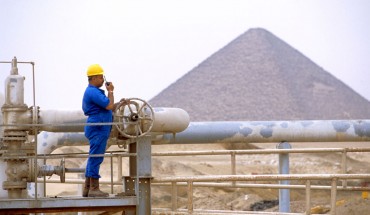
(284, 194)
(333, 196)
(141, 172)
(308, 197)
(174, 196)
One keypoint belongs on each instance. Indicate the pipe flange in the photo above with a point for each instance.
(14, 135)
(14, 156)
(62, 171)
(14, 108)
(9, 185)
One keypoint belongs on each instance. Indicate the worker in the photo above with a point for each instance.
(98, 107)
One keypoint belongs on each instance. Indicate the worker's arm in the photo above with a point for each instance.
(121, 103)
(110, 89)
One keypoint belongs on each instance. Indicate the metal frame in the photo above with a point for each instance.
(58, 204)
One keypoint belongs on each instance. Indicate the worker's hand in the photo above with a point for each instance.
(123, 101)
(110, 87)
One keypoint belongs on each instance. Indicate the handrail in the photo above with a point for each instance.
(273, 177)
(261, 151)
(306, 177)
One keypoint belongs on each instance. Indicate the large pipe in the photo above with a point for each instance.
(62, 120)
(47, 142)
(171, 120)
(272, 131)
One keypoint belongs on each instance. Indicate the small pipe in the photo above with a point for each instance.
(75, 170)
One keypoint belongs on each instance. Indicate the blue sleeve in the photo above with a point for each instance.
(100, 99)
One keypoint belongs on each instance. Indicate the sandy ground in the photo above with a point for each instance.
(245, 199)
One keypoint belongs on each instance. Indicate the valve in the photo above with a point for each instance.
(48, 170)
(135, 118)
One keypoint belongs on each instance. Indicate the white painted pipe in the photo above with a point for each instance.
(272, 131)
(170, 120)
(167, 120)
(53, 120)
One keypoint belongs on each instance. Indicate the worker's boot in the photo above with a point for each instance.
(94, 189)
(85, 191)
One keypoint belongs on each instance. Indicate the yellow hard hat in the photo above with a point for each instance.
(95, 69)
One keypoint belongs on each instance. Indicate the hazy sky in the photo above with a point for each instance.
(145, 45)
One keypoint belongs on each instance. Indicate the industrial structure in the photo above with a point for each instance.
(29, 134)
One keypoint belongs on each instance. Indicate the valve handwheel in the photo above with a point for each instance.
(135, 118)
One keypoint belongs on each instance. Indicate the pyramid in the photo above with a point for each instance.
(256, 77)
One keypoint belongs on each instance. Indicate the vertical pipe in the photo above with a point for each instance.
(35, 122)
(333, 196)
(344, 166)
(308, 197)
(44, 183)
(111, 173)
(233, 165)
(284, 194)
(119, 167)
(190, 197)
(174, 196)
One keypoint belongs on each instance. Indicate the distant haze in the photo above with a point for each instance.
(258, 76)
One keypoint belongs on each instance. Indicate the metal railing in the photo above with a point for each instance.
(209, 181)
(230, 180)
(214, 181)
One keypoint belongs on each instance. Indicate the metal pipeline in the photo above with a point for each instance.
(167, 120)
(48, 142)
(62, 120)
(271, 131)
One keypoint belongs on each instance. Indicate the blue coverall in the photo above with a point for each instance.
(93, 104)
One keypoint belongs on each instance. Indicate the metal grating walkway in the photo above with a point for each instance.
(64, 204)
